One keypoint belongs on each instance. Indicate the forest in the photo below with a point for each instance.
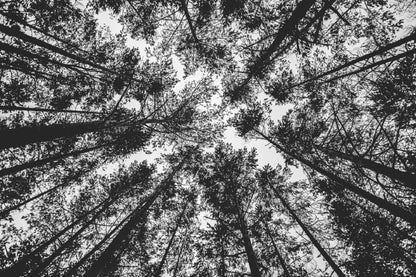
(118, 153)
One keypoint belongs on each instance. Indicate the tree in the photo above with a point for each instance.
(80, 103)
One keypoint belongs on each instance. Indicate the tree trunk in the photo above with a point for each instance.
(360, 59)
(36, 272)
(408, 179)
(285, 30)
(319, 16)
(64, 183)
(321, 250)
(26, 135)
(107, 259)
(364, 68)
(251, 256)
(35, 109)
(382, 203)
(279, 256)
(165, 254)
(21, 266)
(383, 221)
(74, 268)
(9, 31)
(37, 163)
(189, 20)
(184, 241)
(23, 22)
(44, 59)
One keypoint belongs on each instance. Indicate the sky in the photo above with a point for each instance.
(266, 154)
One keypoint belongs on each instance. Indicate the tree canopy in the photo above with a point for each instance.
(118, 153)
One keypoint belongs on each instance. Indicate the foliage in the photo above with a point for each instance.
(79, 106)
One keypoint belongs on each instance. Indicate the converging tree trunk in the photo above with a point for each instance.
(35, 134)
(360, 59)
(21, 266)
(318, 246)
(408, 179)
(276, 250)
(382, 203)
(108, 257)
(251, 256)
(9, 31)
(165, 254)
(41, 162)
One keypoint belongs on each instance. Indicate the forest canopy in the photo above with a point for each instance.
(118, 153)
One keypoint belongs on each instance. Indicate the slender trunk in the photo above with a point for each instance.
(165, 254)
(251, 256)
(9, 31)
(24, 53)
(107, 259)
(319, 16)
(276, 250)
(318, 246)
(340, 16)
(410, 261)
(31, 134)
(364, 68)
(41, 162)
(223, 268)
(31, 72)
(21, 266)
(6, 211)
(44, 59)
(287, 28)
(74, 268)
(382, 203)
(383, 222)
(63, 183)
(45, 263)
(408, 179)
(189, 20)
(184, 241)
(360, 59)
(23, 22)
(35, 109)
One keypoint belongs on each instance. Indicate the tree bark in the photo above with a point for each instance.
(42, 59)
(108, 258)
(285, 30)
(26, 135)
(251, 256)
(189, 20)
